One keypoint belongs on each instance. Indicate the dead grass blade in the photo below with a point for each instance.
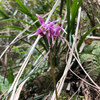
(14, 85)
(93, 37)
(82, 66)
(18, 91)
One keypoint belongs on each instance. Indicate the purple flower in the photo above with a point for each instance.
(48, 29)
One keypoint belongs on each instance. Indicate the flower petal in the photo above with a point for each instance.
(51, 31)
(37, 33)
(57, 28)
(51, 23)
(58, 34)
(40, 19)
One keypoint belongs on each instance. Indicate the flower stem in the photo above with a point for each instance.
(52, 70)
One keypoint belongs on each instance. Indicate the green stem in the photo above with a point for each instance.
(52, 70)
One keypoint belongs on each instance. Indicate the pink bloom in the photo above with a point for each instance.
(48, 29)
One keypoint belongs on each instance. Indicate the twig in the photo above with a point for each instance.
(51, 12)
(80, 84)
(84, 80)
(82, 66)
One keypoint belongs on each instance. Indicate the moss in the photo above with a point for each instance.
(91, 59)
(63, 96)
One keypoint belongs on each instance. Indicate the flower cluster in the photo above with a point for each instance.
(48, 29)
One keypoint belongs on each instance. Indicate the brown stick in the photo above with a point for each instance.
(52, 71)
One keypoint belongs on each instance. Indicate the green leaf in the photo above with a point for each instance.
(3, 14)
(28, 14)
(18, 20)
(22, 5)
(10, 72)
(71, 17)
(14, 27)
(85, 35)
(25, 10)
(17, 28)
(2, 36)
(75, 97)
(75, 7)
(74, 11)
(43, 45)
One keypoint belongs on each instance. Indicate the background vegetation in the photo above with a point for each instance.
(80, 50)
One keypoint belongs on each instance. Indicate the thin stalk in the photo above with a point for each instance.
(52, 71)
